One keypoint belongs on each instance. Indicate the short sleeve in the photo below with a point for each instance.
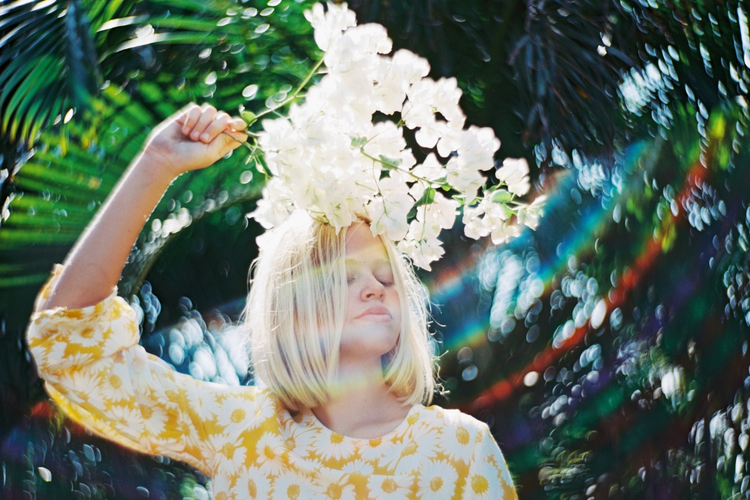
(489, 476)
(98, 374)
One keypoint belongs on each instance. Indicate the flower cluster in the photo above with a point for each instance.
(328, 157)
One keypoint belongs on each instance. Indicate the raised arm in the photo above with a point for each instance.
(89, 357)
(191, 139)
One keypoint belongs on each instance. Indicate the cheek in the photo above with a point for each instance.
(351, 300)
(395, 304)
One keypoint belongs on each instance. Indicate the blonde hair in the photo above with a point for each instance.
(295, 315)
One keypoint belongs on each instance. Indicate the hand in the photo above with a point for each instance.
(193, 138)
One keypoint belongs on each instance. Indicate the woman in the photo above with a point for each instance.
(339, 342)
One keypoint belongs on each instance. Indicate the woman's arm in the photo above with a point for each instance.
(89, 356)
(191, 139)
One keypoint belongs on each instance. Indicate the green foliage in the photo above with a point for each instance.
(187, 52)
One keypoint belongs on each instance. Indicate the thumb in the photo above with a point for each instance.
(227, 141)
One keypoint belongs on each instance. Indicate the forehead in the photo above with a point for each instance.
(361, 245)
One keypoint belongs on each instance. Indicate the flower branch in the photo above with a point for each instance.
(326, 156)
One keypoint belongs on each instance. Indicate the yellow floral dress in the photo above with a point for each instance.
(242, 437)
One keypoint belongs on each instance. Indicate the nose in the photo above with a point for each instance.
(372, 289)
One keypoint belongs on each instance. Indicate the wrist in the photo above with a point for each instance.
(154, 169)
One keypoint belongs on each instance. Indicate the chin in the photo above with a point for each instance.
(368, 344)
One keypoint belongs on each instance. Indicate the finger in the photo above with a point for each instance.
(237, 124)
(208, 114)
(238, 138)
(181, 114)
(216, 127)
(232, 140)
(191, 116)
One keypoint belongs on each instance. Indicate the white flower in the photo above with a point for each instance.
(154, 419)
(332, 446)
(418, 451)
(407, 160)
(227, 454)
(409, 67)
(60, 355)
(309, 128)
(393, 78)
(478, 486)
(388, 212)
(430, 169)
(358, 467)
(477, 147)
(441, 212)
(329, 159)
(452, 136)
(350, 66)
(425, 97)
(327, 194)
(388, 215)
(278, 136)
(349, 102)
(337, 490)
(419, 112)
(503, 233)
(429, 134)
(389, 487)
(385, 139)
(119, 387)
(265, 408)
(274, 207)
(292, 486)
(86, 337)
(438, 481)
(301, 442)
(85, 386)
(495, 214)
(329, 25)
(496, 218)
(203, 401)
(515, 174)
(123, 417)
(474, 225)
(374, 450)
(446, 97)
(235, 413)
(459, 443)
(269, 450)
(371, 38)
(529, 215)
(464, 177)
(421, 245)
(253, 484)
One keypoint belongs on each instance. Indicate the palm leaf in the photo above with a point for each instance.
(44, 43)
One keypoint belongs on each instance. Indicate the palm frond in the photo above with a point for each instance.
(48, 57)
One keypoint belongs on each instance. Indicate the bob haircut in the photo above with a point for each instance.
(295, 314)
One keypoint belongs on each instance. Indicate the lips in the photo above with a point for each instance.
(376, 312)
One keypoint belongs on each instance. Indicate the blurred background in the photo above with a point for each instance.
(607, 350)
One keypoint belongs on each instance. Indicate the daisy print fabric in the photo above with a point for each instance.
(243, 437)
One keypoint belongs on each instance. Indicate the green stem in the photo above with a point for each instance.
(244, 143)
(289, 99)
(416, 177)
